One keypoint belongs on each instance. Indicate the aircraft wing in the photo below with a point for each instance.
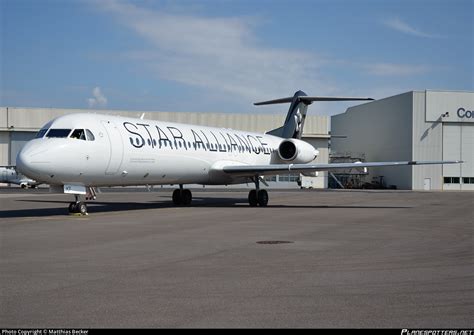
(271, 169)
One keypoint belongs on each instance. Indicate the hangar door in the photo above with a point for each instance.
(321, 181)
(467, 155)
(458, 144)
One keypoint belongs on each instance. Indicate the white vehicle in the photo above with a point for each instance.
(8, 174)
(77, 152)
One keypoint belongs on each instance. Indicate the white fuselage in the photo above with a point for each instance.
(127, 151)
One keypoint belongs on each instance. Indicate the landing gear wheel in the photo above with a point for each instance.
(262, 198)
(78, 208)
(186, 197)
(182, 197)
(81, 208)
(253, 198)
(72, 207)
(177, 200)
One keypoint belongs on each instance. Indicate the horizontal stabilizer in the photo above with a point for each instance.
(308, 100)
(276, 101)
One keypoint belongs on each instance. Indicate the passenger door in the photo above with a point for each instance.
(115, 147)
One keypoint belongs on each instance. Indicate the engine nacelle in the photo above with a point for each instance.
(296, 151)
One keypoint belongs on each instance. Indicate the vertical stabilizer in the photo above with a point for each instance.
(294, 122)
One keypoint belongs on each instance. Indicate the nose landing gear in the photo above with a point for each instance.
(182, 197)
(78, 207)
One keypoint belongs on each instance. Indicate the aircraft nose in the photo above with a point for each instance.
(21, 162)
(31, 160)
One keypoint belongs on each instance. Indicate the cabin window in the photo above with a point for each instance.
(79, 134)
(58, 133)
(90, 136)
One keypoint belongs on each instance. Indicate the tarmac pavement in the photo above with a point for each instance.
(396, 259)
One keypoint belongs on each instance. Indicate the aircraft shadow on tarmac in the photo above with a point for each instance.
(198, 202)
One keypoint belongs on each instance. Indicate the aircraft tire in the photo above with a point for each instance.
(253, 198)
(72, 207)
(186, 197)
(177, 199)
(262, 198)
(81, 208)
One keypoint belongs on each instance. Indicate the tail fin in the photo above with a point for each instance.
(294, 122)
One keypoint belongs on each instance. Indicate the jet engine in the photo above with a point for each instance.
(296, 151)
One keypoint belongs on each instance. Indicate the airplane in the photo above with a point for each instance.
(75, 153)
(8, 174)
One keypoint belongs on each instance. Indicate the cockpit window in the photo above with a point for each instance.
(90, 136)
(78, 134)
(44, 129)
(61, 133)
(41, 133)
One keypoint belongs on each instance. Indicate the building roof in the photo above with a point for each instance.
(32, 119)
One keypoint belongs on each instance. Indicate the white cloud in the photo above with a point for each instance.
(98, 100)
(402, 26)
(389, 69)
(224, 58)
(220, 55)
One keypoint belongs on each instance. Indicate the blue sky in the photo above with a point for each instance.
(221, 56)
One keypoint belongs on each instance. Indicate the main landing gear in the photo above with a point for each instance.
(78, 207)
(258, 196)
(182, 197)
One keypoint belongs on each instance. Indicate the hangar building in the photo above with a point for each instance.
(19, 125)
(417, 125)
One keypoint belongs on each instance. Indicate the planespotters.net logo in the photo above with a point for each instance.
(437, 332)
